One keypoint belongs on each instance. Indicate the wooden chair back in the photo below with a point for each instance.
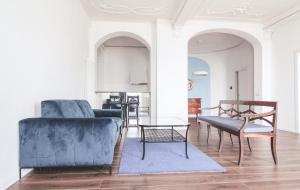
(234, 112)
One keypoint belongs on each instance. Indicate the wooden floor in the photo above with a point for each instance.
(257, 172)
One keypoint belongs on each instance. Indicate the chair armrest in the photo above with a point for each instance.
(212, 108)
(108, 113)
(252, 116)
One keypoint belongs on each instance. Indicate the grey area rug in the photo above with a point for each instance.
(164, 158)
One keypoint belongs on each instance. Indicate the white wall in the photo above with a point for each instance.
(116, 66)
(222, 71)
(285, 44)
(43, 50)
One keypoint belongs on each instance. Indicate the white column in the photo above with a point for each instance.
(171, 71)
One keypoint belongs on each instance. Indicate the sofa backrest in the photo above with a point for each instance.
(66, 109)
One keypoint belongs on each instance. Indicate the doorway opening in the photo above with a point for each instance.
(123, 70)
(230, 60)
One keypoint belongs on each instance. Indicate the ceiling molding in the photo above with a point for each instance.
(187, 11)
(108, 7)
(282, 18)
(266, 12)
(242, 9)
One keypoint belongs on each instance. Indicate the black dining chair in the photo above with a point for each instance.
(133, 108)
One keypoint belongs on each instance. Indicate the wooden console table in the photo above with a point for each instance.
(194, 105)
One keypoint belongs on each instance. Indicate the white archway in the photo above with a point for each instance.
(121, 34)
(92, 65)
(258, 53)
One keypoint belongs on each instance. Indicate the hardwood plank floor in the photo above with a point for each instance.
(257, 172)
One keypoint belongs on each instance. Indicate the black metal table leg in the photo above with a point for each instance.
(126, 113)
(143, 139)
(142, 135)
(172, 133)
(186, 143)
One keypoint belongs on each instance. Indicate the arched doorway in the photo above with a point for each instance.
(198, 84)
(251, 42)
(123, 66)
(231, 60)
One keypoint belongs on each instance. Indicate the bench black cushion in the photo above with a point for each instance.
(234, 124)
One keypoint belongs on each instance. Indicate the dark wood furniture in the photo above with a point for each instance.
(194, 105)
(133, 103)
(118, 102)
(240, 122)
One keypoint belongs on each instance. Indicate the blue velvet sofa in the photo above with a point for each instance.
(69, 134)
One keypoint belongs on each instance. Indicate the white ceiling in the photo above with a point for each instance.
(261, 11)
(214, 42)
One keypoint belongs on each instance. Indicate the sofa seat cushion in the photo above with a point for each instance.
(118, 121)
(234, 124)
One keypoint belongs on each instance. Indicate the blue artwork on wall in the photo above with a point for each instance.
(201, 84)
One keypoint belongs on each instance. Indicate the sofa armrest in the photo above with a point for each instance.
(47, 142)
(108, 113)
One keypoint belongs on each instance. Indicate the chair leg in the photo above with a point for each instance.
(137, 117)
(231, 139)
(273, 148)
(221, 140)
(199, 125)
(241, 149)
(208, 133)
(249, 144)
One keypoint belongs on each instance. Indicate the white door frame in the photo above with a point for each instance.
(297, 89)
(237, 80)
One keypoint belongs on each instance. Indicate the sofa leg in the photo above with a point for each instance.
(241, 149)
(273, 148)
(110, 170)
(221, 140)
(249, 144)
(20, 173)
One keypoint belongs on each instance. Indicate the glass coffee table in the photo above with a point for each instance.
(159, 130)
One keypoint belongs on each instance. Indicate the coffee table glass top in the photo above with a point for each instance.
(162, 121)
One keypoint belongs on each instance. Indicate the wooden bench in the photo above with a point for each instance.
(232, 119)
